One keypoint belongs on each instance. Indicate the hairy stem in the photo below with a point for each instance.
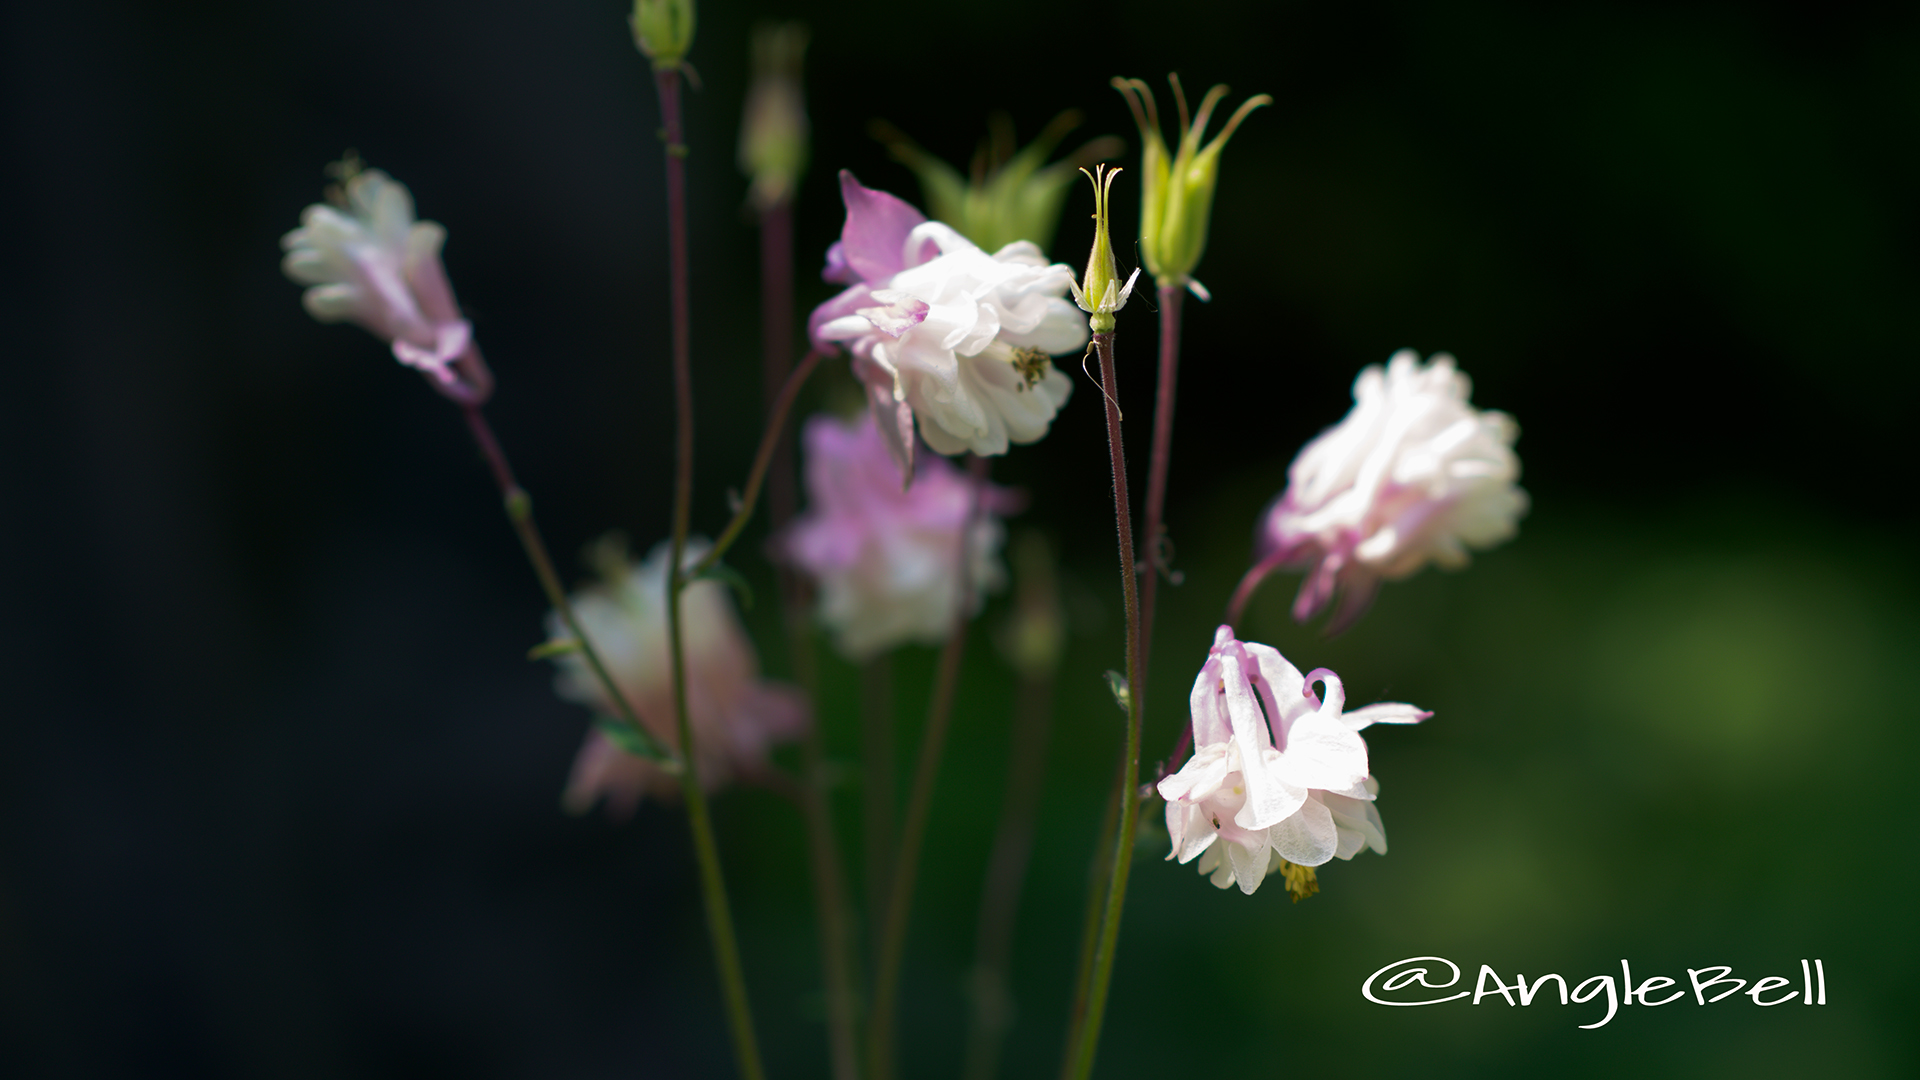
(1170, 301)
(713, 885)
(1129, 793)
(893, 935)
(816, 803)
(1099, 869)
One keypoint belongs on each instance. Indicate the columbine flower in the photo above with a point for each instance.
(735, 715)
(370, 263)
(1007, 195)
(1176, 198)
(942, 331)
(1414, 474)
(888, 559)
(1278, 778)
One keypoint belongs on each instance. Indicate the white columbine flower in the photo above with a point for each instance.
(1414, 474)
(944, 332)
(370, 263)
(1277, 774)
(735, 715)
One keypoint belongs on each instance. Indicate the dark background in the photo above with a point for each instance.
(278, 791)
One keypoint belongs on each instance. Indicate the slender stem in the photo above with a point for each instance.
(1098, 872)
(713, 885)
(893, 936)
(1129, 792)
(1171, 297)
(1006, 874)
(816, 805)
(876, 785)
(770, 441)
(520, 511)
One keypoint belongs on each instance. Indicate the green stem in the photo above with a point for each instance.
(816, 802)
(519, 507)
(769, 443)
(893, 936)
(1128, 790)
(1098, 871)
(713, 885)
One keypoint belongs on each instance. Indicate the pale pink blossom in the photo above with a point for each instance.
(1277, 773)
(945, 333)
(368, 262)
(887, 558)
(736, 716)
(1413, 475)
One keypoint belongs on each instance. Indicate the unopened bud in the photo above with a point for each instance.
(1176, 198)
(664, 30)
(773, 133)
(1100, 293)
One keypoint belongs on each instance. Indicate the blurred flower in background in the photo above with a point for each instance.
(944, 332)
(368, 262)
(736, 717)
(887, 558)
(1007, 195)
(1278, 778)
(1414, 474)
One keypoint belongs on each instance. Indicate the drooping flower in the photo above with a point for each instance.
(1007, 195)
(887, 558)
(944, 332)
(1413, 475)
(736, 716)
(1278, 777)
(368, 262)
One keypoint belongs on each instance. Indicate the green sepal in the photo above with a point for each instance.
(547, 650)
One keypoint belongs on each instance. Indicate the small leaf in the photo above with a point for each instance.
(1122, 697)
(730, 577)
(557, 647)
(632, 740)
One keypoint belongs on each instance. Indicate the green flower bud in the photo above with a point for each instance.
(773, 133)
(1011, 195)
(664, 30)
(1177, 199)
(1100, 293)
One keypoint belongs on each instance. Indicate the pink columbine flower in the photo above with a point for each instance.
(942, 331)
(1277, 773)
(1414, 474)
(370, 263)
(736, 716)
(887, 558)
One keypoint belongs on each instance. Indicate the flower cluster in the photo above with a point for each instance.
(944, 332)
(368, 262)
(1278, 775)
(888, 558)
(736, 717)
(1413, 475)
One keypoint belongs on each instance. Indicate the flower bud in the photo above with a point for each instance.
(664, 30)
(1176, 200)
(773, 133)
(1010, 195)
(1100, 293)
